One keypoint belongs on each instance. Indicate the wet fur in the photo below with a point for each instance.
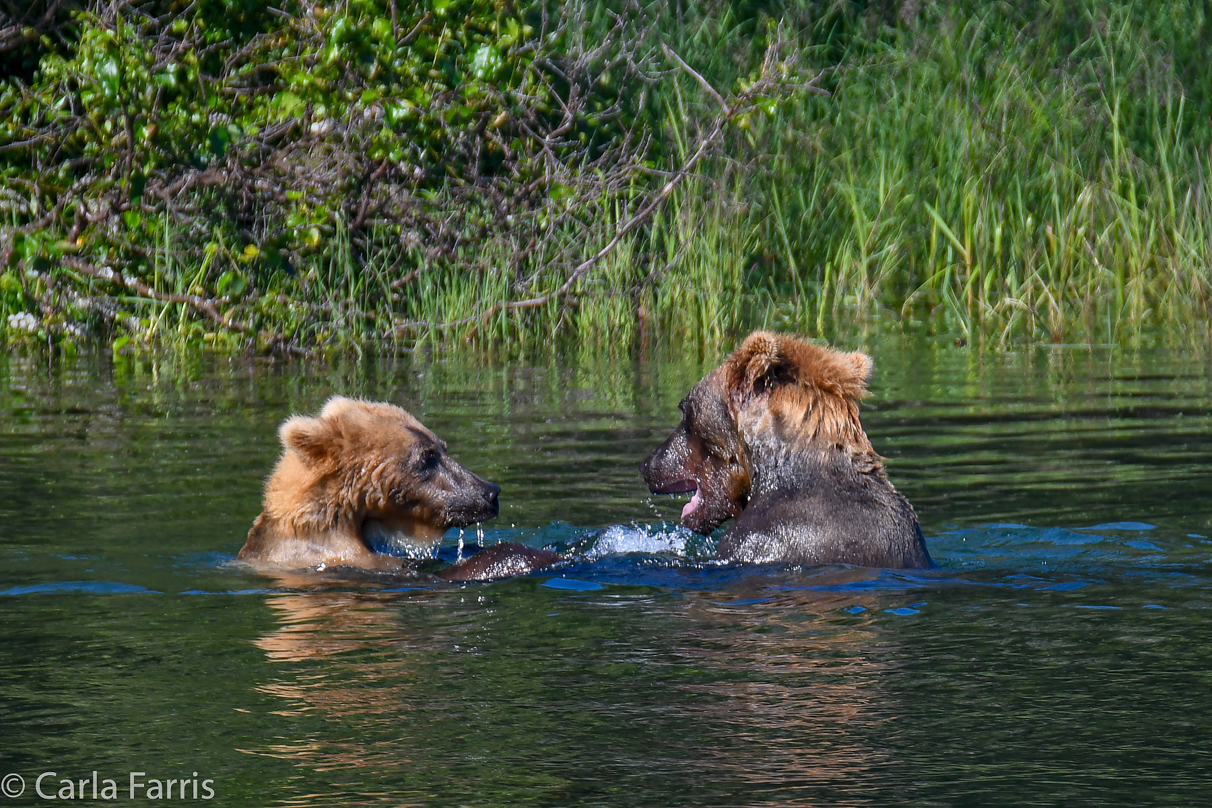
(362, 474)
(772, 439)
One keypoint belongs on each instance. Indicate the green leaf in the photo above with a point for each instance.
(397, 113)
(231, 284)
(343, 31)
(512, 31)
(287, 103)
(380, 29)
(485, 62)
(107, 76)
(27, 246)
(220, 138)
(167, 78)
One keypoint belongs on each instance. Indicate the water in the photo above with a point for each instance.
(1060, 655)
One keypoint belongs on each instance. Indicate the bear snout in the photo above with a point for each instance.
(474, 498)
(492, 493)
(668, 482)
(665, 470)
(652, 476)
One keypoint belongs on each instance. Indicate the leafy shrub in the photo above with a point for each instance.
(253, 139)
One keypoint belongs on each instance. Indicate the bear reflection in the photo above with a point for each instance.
(511, 690)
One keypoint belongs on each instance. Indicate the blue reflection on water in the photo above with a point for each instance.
(1103, 561)
(91, 587)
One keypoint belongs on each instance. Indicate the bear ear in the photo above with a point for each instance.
(313, 438)
(827, 370)
(759, 365)
(862, 366)
(338, 405)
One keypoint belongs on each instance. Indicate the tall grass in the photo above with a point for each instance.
(1033, 174)
(1025, 177)
(996, 172)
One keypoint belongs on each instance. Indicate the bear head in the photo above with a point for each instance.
(375, 469)
(774, 396)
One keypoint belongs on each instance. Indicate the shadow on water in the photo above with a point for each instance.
(1057, 655)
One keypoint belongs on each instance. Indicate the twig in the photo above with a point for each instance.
(370, 187)
(727, 113)
(656, 273)
(201, 304)
(400, 283)
(407, 40)
(711, 91)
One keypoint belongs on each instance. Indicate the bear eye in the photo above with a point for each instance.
(428, 460)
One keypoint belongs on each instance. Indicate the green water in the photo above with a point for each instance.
(1060, 655)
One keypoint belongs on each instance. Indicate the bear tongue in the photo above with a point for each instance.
(692, 506)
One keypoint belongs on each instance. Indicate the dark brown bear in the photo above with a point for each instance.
(772, 439)
(365, 474)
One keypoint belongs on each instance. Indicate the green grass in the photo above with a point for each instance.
(985, 177)
(998, 174)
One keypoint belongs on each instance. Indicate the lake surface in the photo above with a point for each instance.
(1061, 654)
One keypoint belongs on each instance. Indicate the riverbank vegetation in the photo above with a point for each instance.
(370, 173)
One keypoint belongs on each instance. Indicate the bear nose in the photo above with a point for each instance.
(492, 493)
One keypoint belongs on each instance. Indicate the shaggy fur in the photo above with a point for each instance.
(772, 438)
(358, 476)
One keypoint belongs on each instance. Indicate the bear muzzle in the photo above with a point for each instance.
(475, 500)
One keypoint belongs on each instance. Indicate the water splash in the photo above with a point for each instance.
(621, 539)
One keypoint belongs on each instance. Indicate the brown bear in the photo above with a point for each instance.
(772, 439)
(365, 474)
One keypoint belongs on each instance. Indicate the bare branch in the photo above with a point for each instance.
(208, 307)
(711, 91)
(728, 110)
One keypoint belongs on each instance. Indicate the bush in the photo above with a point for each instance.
(232, 148)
